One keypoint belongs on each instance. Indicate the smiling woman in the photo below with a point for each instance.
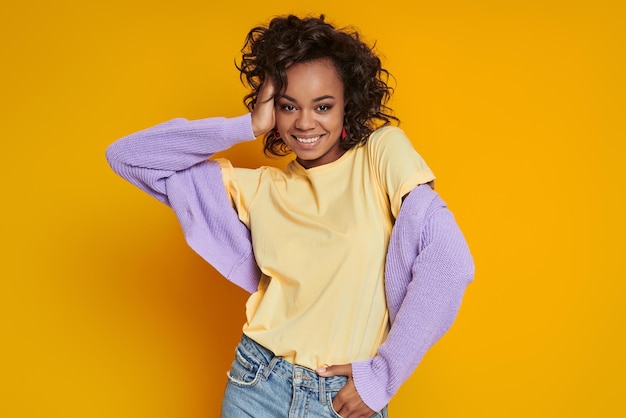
(337, 242)
(310, 113)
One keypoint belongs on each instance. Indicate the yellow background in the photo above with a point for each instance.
(518, 106)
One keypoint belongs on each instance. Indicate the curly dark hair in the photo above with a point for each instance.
(286, 40)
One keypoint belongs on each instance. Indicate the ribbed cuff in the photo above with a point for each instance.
(371, 388)
(240, 128)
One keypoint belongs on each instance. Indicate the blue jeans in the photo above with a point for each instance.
(261, 385)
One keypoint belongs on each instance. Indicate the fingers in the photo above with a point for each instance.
(349, 404)
(266, 91)
(263, 117)
(336, 370)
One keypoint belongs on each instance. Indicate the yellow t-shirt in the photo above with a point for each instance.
(320, 239)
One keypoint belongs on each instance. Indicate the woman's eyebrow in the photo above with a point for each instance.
(317, 99)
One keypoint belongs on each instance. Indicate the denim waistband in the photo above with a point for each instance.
(298, 375)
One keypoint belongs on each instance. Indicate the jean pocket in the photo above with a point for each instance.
(244, 371)
(329, 402)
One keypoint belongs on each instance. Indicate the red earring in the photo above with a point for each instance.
(344, 133)
(276, 134)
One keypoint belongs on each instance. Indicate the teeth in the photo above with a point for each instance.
(308, 140)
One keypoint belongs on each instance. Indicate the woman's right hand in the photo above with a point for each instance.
(263, 119)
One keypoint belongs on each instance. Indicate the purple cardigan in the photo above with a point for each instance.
(428, 264)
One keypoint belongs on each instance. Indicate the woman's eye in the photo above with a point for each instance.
(323, 108)
(288, 107)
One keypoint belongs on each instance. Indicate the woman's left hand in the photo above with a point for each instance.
(347, 402)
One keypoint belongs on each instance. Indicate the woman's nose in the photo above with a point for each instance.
(305, 121)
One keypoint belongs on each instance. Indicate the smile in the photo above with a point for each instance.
(308, 140)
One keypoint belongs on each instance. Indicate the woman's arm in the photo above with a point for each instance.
(169, 161)
(441, 270)
(429, 265)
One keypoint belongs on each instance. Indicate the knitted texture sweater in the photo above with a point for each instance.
(428, 264)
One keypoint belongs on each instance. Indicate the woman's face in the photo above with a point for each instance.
(309, 113)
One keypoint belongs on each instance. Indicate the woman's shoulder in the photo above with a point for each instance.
(388, 137)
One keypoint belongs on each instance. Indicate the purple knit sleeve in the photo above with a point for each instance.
(148, 157)
(434, 254)
(169, 161)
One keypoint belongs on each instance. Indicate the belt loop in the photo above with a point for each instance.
(268, 369)
(322, 390)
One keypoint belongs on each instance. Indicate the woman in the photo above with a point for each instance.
(340, 311)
